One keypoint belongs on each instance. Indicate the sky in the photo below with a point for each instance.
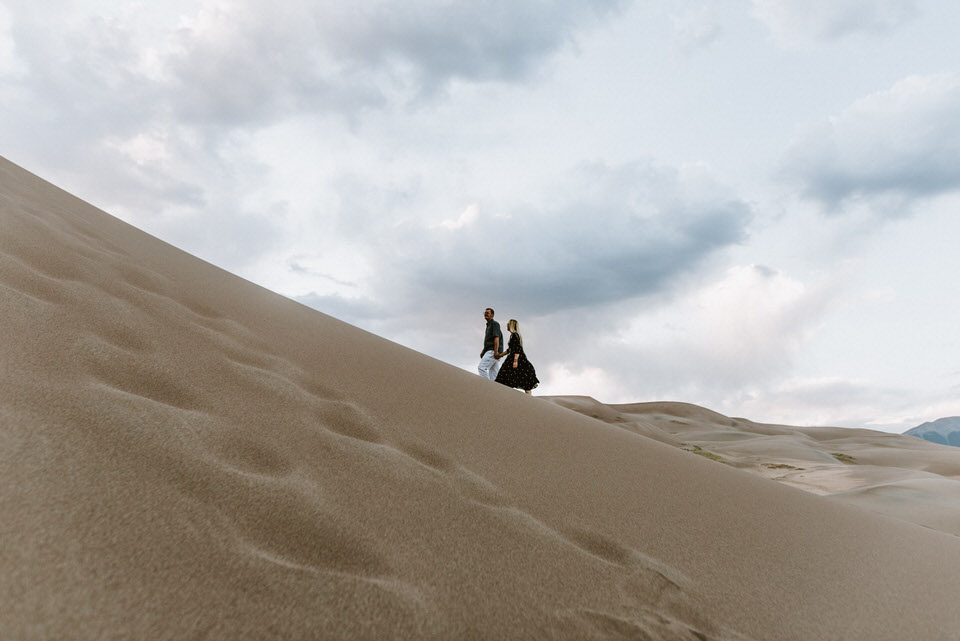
(751, 205)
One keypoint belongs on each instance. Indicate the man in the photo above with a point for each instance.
(492, 342)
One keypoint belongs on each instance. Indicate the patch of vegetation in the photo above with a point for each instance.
(843, 458)
(780, 466)
(696, 449)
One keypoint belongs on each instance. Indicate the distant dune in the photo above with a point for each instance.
(895, 475)
(186, 455)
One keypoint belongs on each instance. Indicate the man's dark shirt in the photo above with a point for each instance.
(493, 331)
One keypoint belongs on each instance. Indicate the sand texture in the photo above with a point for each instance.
(186, 455)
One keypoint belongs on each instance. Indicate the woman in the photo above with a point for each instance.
(517, 371)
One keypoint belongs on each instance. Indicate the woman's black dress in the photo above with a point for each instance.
(524, 376)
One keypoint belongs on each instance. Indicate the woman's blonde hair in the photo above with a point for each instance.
(514, 328)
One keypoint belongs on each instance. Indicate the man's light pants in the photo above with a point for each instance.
(489, 366)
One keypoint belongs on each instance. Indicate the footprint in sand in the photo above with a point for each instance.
(57, 265)
(141, 380)
(599, 546)
(124, 338)
(249, 456)
(141, 279)
(308, 539)
(29, 282)
(427, 456)
(278, 522)
(471, 486)
(348, 420)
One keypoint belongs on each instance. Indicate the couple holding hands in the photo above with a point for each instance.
(517, 371)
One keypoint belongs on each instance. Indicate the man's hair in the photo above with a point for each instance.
(492, 313)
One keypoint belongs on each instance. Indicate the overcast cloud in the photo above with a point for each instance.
(678, 200)
(800, 22)
(697, 28)
(247, 61)
(607, 234)
(854, 156)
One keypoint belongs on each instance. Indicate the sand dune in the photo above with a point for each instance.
(186, 455)
(900, 476)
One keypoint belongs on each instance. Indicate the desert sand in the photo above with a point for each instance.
(186, 455)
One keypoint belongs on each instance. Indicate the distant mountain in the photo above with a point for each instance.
(945, 431)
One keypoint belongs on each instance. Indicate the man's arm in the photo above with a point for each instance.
(496, 347)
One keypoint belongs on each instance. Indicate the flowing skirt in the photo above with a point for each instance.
(523, 377)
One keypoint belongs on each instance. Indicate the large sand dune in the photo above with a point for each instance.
(188, 456)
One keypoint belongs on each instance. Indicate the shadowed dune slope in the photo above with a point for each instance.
(186, 455)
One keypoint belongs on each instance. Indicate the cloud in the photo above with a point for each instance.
(608, 233)
(494, 40)
(840, 402)
(157, 105)
(246, 61)
(799, 22)
(469, 216)
(696, 29)
(235, 62)
(83, 81)
(890, 148)
(10, 63)
(741, 329)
